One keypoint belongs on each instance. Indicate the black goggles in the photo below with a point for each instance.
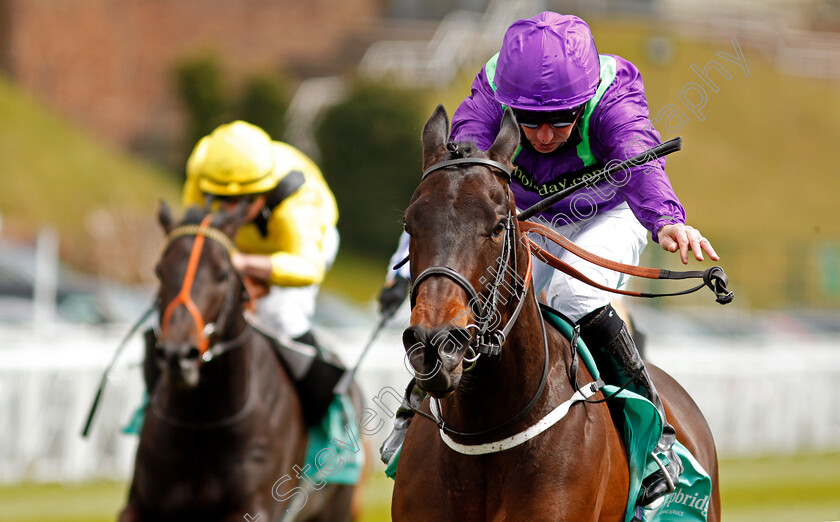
(557, 119)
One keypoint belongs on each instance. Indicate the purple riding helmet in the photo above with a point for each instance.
(547, 63)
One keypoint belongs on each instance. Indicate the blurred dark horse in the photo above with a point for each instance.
(224, 425)
(462, 220)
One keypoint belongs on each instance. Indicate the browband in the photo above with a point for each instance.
(470, 161)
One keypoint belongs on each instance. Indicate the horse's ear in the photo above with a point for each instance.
(507, 140)
(435, 134)
(165, 217)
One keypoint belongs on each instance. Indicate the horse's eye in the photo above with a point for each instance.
(500, 227)
(225, 275)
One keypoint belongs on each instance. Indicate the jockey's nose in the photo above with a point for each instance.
(545, 133)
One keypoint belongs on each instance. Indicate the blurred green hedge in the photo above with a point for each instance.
(371, 158)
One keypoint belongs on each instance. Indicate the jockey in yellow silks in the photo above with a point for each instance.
(290, 238)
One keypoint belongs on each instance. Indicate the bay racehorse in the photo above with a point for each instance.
(224, 431)
(468, 263)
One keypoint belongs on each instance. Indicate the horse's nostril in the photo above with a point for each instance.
(192, 354)
(451, 342)
(409, 337)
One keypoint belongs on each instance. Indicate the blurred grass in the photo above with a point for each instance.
(72, 171)
(791, 488)
(54, 174)
(795, 488)
(87, 502)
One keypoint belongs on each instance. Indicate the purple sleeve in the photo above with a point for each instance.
(479, 116)
(622, 129)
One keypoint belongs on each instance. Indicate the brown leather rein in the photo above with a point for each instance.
(714, 277)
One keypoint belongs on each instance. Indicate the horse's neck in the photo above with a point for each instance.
(499, 388)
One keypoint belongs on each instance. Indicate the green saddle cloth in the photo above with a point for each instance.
(642, 429)
(334, 449)
(135, 424)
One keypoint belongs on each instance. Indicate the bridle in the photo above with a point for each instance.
(204, 330)
(207, 350)
(488, 338)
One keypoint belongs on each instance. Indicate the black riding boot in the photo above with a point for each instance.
(618, 361)
(413, 399)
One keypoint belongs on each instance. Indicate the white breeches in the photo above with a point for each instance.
(615, 234)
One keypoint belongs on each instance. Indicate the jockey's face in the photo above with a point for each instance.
(257, 202)
(546, 138)
(548, 131)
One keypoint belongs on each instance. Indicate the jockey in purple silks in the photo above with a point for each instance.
(578, 111)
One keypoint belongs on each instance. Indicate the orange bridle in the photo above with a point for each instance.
(184, 297)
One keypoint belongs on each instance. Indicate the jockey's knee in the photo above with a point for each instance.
(575, 299)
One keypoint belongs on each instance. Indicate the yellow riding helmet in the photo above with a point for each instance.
(237, 158)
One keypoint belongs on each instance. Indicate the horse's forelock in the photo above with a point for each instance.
(462, 149)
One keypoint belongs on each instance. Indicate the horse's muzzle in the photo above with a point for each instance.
(435, 355)
(179, 362)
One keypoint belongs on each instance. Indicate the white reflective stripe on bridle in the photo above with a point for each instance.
(522, 437)
(197, 230)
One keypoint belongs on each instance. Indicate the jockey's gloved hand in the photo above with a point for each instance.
(392, 296)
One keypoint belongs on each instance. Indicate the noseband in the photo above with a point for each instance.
(184, 298)
(488, 338)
